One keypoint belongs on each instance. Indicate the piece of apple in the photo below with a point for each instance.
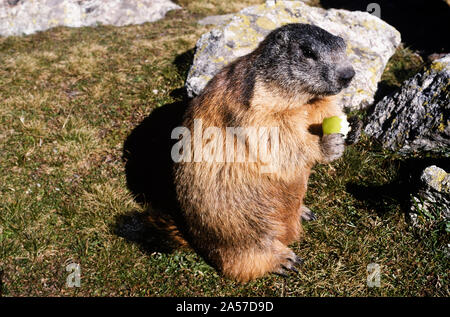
(336, 124)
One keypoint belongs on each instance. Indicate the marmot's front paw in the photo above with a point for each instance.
(333, 146)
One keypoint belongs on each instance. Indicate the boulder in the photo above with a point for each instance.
(370, 43)
(225, 18)
(416, 118)
(432, 201)
(216, 19)
(19, 17)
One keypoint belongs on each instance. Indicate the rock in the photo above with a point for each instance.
(371, 42)
(225, 18)
(30, 16)
(432, 201)
(216, 19)
(432, 57)
(416, 118)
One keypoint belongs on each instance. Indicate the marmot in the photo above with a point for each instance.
(240, 219)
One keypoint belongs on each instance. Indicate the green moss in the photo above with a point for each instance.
(401, 66)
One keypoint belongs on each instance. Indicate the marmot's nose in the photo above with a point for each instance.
(345, 75)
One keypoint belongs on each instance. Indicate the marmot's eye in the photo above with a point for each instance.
(308, 52)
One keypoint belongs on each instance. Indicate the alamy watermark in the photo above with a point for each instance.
(230, 144)
(74, 278)
(374, 9)
(373, 275)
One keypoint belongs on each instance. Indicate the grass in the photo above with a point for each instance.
(68, 100)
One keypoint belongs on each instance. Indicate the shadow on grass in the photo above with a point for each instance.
(184, 61)
(149, 172)
(422, 24)
(148, 168)
(382, 198)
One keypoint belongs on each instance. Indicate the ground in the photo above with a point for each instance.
(68, 100)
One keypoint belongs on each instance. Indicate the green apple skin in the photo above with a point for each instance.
(331, 125)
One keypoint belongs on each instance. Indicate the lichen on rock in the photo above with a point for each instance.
(432, 200)
(416, 118)
(371, 42)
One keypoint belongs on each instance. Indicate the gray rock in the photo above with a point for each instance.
(432, 202)
(225, 18)
(371, 42)
(216, 19)
(416, 118)
(30, 16)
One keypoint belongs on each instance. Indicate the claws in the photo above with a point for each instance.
(284, 269)
(291, 268)
(297, 261)
(281, 272)
(307, 214)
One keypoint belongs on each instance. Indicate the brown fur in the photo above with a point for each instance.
(239, 219)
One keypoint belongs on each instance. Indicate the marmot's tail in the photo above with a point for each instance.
(165, 228)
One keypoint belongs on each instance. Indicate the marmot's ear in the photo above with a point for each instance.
(281, 37)
(342, 42)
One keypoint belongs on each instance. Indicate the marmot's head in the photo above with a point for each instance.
(305, 58)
